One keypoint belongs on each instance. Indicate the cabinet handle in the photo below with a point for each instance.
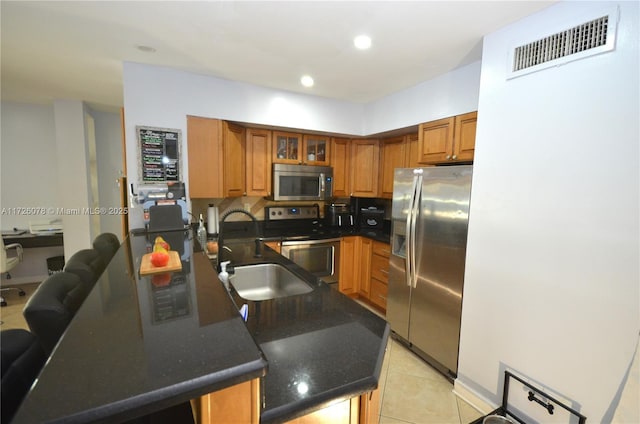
(448, 157)
(454, 157)
(382, 297)
(384, 271)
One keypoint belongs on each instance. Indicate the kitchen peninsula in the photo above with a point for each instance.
(140, 344)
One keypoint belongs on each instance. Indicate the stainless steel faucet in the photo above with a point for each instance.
(258, 252)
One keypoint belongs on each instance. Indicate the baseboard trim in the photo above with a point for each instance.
(479, 403)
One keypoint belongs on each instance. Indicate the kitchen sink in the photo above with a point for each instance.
(267, 281)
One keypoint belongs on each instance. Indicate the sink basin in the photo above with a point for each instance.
(266, 281)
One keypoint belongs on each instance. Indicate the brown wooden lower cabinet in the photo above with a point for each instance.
(275, 245)
(364, 269)
(240, 404)
(363, 409)
(235, 404)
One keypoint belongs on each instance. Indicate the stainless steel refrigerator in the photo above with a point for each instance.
(429, 238)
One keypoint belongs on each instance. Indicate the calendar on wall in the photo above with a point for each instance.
(159, 154)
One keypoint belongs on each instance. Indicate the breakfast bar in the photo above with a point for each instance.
(140, 344)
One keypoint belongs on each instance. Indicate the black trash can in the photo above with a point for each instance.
(55, 264)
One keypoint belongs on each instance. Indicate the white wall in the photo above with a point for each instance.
(163, 97)
(73, 177)
(110, 167)
(27, 146)
(32, 162)
(27, 153)
(552, 275)
(453, 93)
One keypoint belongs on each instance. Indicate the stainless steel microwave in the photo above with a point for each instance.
(302, 182)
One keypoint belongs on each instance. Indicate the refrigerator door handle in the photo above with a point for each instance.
(414, 217)
(409, 242)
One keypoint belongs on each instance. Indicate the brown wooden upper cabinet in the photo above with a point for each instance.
(340, 161)
(258, 162)
(364, 163)
(316, 150)
(447, 140)
(216, 158)
(300, 149)
(393, 155)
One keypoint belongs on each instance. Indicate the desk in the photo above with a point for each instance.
(28, 240)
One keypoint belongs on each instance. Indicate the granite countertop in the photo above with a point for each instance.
(142, 344)
(321, 346)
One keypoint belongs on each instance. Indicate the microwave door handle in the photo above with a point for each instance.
(322, 187)
(340, 220)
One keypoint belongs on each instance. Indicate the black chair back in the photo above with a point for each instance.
(22, 358)
(52, 306)
(107, 244)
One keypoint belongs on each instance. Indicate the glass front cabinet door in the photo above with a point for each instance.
(316, 150)
(300, 149)
(286, 147)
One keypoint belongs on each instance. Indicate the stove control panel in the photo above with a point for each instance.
(280, 213)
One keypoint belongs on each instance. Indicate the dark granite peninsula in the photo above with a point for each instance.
(143, 344)
(321, 346)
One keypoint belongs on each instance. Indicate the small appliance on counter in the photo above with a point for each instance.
(339, 215)
(371, 218)
(164, 206)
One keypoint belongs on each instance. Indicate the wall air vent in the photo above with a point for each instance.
(587, 39)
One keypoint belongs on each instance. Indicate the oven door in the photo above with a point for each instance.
(320, 257)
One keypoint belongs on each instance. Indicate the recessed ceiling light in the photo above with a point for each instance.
(307, 81)
(146, 49)
(362, 42)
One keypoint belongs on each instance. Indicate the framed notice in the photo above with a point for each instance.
(159, 154)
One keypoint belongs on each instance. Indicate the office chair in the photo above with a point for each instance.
(7, 264)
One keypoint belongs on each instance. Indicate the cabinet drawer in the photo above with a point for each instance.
(378, 294)
(382, 249)
(380, 267)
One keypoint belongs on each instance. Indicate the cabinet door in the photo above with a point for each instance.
(465, 137)
(287, 147)
(204, 145)
(275, 245)
(316, 150)
(239, 403)
(347, 282)
(412, 149)
(340, 154)
(234, 157)
(365, 248)
(365, 157)
(393, 154)
(258, 163)
(436, 141)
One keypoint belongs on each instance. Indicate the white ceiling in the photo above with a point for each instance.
(74, 50)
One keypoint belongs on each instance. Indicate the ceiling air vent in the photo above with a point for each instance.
(587, 39)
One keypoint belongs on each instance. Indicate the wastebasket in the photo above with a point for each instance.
(55, 264)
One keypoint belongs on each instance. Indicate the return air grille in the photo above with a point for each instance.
(575, 40)
(580, 36)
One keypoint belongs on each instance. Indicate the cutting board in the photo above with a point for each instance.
(147, 268)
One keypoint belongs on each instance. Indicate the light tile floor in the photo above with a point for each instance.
(413, 392)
